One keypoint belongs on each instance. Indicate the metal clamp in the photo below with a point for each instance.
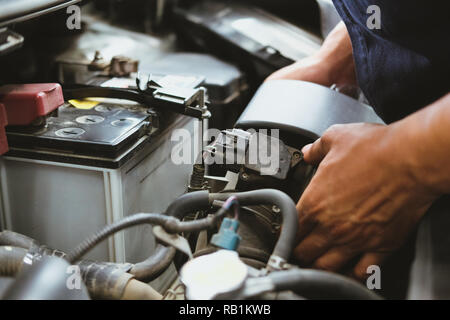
(277, 263)
(188, 101)
(9, 41)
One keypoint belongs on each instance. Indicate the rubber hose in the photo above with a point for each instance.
(92, 241)
(137, 290)
(188, 203)
(163, 256)
(316, 284)
(11, 238)
(11, 260)
(170, 224)
(155, 265)
(286, 241)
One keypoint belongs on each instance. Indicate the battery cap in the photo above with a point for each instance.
(24, 103)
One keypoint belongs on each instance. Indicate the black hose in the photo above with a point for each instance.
(188, 203)
(109, 230)
(11, 260)
(155, 265)
(163, 256)
(286, 241)
(315, 284)
(170, 224)
(10, 238)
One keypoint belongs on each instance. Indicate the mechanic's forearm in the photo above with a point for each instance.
(423, 139)
(337, 54)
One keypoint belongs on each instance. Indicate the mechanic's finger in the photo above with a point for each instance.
(312, 247)
(315, 152)
(368, 259)
(305, 223)
(334, 259)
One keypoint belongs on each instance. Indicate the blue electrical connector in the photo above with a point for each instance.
(227, 237)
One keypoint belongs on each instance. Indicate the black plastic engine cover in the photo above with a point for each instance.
(302, 111)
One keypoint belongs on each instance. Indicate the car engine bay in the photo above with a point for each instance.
(128, 137)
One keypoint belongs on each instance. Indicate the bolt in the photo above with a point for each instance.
(275, 227)
(244, 176)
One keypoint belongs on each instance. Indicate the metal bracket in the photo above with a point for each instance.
(277, 263)
(9, 41)
(188, 101)
(232, 148)
(174, 240)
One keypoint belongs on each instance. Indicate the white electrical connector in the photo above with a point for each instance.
(214, 275)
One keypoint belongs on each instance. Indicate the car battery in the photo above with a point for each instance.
(94, 162)
(227, 88)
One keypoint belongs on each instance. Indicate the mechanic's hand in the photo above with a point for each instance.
(363, 201)
(311, 69)
(332, 64)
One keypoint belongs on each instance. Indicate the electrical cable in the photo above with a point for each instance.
(286, 241)
(316, 284)
(170, 224)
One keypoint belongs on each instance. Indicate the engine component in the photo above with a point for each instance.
(11, 260)
(248, 35)
(308, 110)
(286, 241)
(173, 240)
(9, 41)
(218, 275)
(227, 238)
(227, 87)
(104, 280)
(169, 223)
(312, 284)
(259, 228)
(112, 281)
(46, 280)
(181, 100)
(119, 66)
(163, 256)
(282, 249)
(14, 239)
(237, 148)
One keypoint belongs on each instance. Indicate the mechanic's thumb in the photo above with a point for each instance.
(315, 152)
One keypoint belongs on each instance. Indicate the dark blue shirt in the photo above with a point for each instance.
(405, 65)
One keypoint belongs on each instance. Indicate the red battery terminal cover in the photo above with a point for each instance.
(3, 123)
(24, 103)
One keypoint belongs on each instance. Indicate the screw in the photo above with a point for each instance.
(297, 155)
(244, 176)
(275, 209)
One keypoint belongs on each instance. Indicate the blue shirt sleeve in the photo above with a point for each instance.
(405, 64)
